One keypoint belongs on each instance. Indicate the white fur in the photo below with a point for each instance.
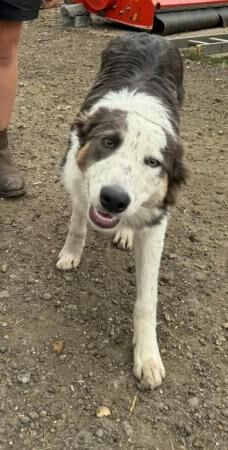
(147, 121)
(148, 365)
(126, 166)
(71, 173)
(124, 238)
(149, 107)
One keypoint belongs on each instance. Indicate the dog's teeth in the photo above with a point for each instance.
(104, 219)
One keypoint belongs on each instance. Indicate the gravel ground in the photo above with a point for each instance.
(66, 338)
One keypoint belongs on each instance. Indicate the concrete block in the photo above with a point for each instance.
(82, 21)
(73, 10)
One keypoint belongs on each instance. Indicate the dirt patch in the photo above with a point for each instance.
(48, 398)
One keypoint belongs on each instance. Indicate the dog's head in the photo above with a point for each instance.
(132, 165)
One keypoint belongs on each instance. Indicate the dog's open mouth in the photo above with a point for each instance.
(102, 219)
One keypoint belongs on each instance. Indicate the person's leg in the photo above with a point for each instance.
(9, 42)
(11, 181)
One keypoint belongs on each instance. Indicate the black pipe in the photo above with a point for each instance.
(180, 21)
(223, 13)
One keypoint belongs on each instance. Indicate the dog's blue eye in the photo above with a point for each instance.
(152, 162)
(108, 143)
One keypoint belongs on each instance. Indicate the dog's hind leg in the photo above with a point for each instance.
(124, 238)
(148, 367)
(70, 255)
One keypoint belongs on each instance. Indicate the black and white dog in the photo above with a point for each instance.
(123, 167)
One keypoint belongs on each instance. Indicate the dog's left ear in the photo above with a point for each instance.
(82, 126)
(177, 172)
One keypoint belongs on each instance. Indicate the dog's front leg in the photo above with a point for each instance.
(148, 367)
(70, 255)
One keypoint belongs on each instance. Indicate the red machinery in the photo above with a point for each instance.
(165, 16)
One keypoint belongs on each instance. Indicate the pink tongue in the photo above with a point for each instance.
(103, 219)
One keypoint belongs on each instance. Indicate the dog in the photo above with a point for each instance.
(123, 168)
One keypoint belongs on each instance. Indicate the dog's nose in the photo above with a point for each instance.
(114, 199)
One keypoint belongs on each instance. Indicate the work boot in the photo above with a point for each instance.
(11, 180)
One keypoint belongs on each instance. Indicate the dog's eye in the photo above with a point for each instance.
(108, 143)
(152, 162)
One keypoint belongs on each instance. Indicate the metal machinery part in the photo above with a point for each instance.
(163, 16)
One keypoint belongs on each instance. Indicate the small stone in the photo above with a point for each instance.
(68, 277)
(84, 438)
(163, 351)
(4, 268)
(34, 415)
(60, 425)
(4, 324)
(127, 428)
(161, 406)
(100, 433)
(46, 296)
(188, 430)
(13, 365)
(193, 402)
(220, 340)
(173, 256)
(4, 295)
(34, 434)
(220, 132)
(200, 276)
(198, 443)
(119, 339)
(3, 349)
(225, 412)
(193, 237)
(24, 378)
(102, 411)
(91, 346)
(43, 413)
(225, 325)
(3, 405)
(166, 277)
(167, 317)
(131, 268)
(193, 305)
(24, 419)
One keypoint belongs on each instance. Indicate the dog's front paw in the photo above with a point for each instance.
(67, 261)
(124, 238)
(148, 368)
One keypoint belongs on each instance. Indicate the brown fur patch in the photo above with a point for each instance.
(82, 156)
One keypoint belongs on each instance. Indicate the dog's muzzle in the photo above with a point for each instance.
(114, 200)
